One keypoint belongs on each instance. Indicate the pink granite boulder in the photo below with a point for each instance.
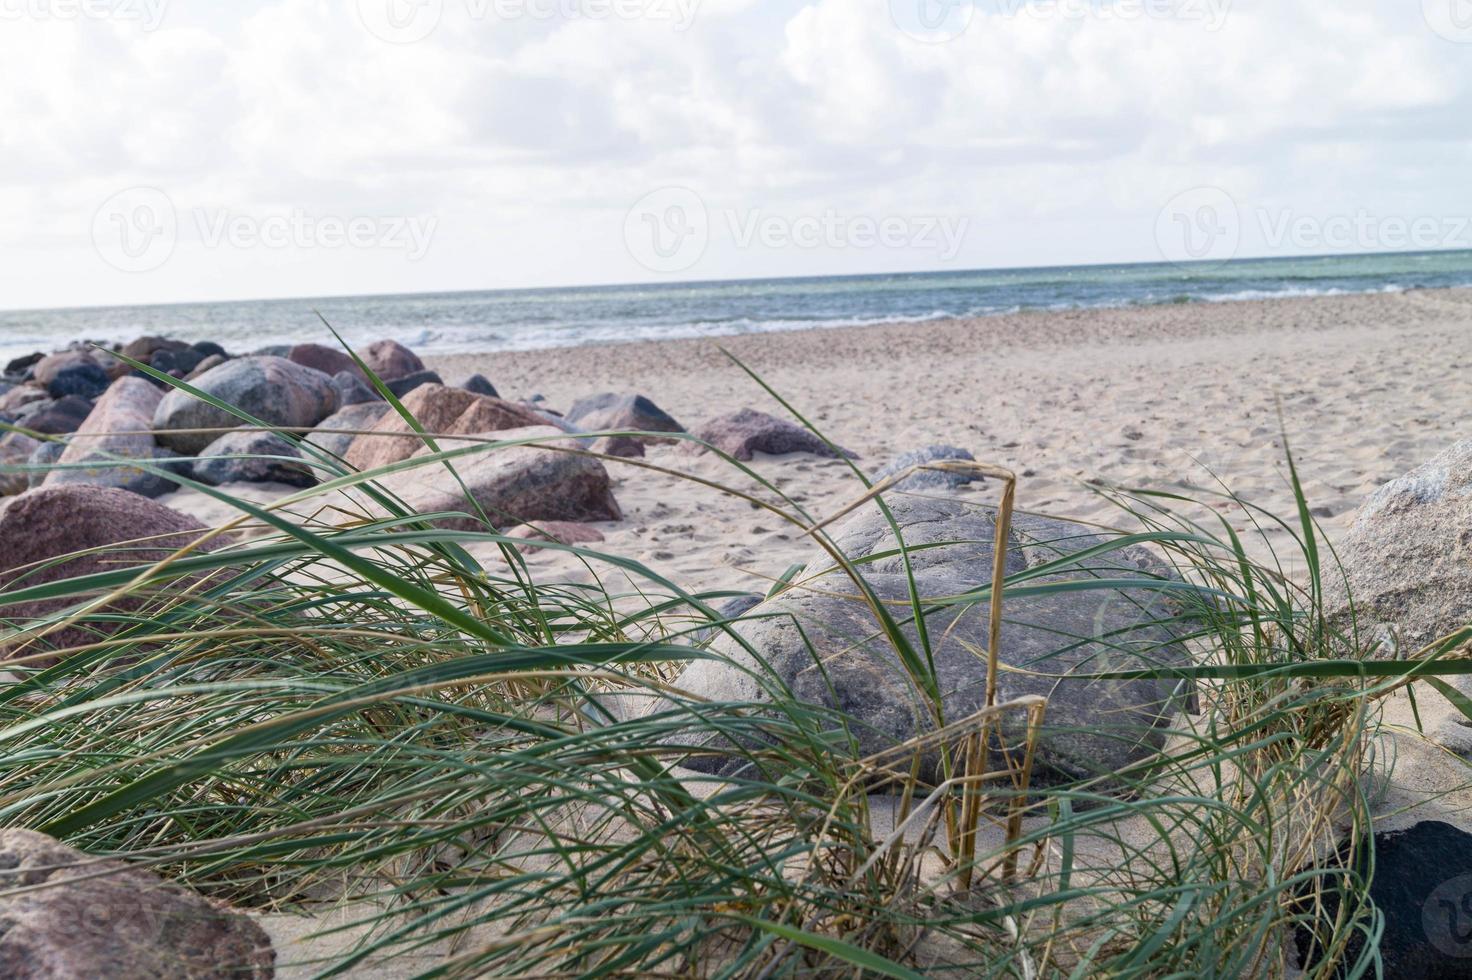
(441, 411)
(743, 434)
(118, 427)
(391, 360)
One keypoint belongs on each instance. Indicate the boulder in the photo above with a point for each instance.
(928, 479)
(743, 434)
(55, 418)
(511, 484)
(118, 427)
(1093, 727)
(390, 360)
(353, 390)
(20, 396)
(45, 454)
(328, 360)
(1422, 886)
(179, 363)
(611, 412)
(205, 366)
(104, 918)
(51, 523)
(1407, 556)
(558, 532)
(337, 431)
(402, 386)
(142, 349)
(252, 456)
(627, 447)
(16, 449)
(440, 410)
(276, 391)
(481, 385)
(22, 365)
(210, 349)
(72, 373)
(5, 388)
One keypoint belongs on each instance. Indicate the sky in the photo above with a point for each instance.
(169, 151)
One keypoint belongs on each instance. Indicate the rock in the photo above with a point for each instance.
(1093, 728)
(273, 350)
(21, 365)
(117, 428)
(60, 417)
(241, 457)
(353, 390)
(179, 363)
(104, 918)
(731, 609)
(743, 434)
(391, 360)
(928, 479)
(402, 386)
(440, 410)
(19, 397)
(1422, 885)
(1406, 556)
(5, 388)
(480, 385)
(72, 373)
(328, 360)
(512, 484)
(16, 449)
(206, 366)
(611, 412)
(559, 532)
(43, 525)
(211, 349)
(47, 453)
(272, 389)
(627, 447)
(337, 431)
(142, 349)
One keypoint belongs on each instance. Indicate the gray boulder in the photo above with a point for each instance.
(276, 391)
(17, 398)
(117, 428)
(104, 918)
(1403, 558)
(391, 360)
(481, 385)
(16, 449)
(743, 434)
(928, 479)
(403, 385)
(337, 431)
(45, 454)
(1093, 727)
(72, 373)
(55, 417)
(353, 390)
(610, 412)
(252, 456)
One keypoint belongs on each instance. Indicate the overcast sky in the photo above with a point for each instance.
(155, 151)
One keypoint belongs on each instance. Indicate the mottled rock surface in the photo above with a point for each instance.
(117, 427)
(743, 434)
(67, 916)
(610, 412)
(252, 456)
(439, 410)
(276, 391)
(328, 360)
(390, 360)
(16, 449)
(72, 373)
(55, 418)
(337, 431)
(922, 480)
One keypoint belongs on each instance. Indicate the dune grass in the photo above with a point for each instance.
(354, 711)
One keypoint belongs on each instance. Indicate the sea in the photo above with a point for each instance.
(533, 319)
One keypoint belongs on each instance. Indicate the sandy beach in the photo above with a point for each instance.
(1158, 397)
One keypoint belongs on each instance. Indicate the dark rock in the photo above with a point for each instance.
(1422, 885)
(611, 412)
(272, 389)
(353, 390)
(178, 362)
(208, 348)
(23, 365)
(252, 456)
(51, 523)
(205, 366)
(337, 431)
(391, 360)
(512, 484)
(626, 447)
(117, 428)
(439, 410)
(928, 479)
(402, 386)
(743, 434)
(273, 350)
(72, 373)
(104, 918)
(1093, 728)
(480, 385)
(16, 399)
(60, 417)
